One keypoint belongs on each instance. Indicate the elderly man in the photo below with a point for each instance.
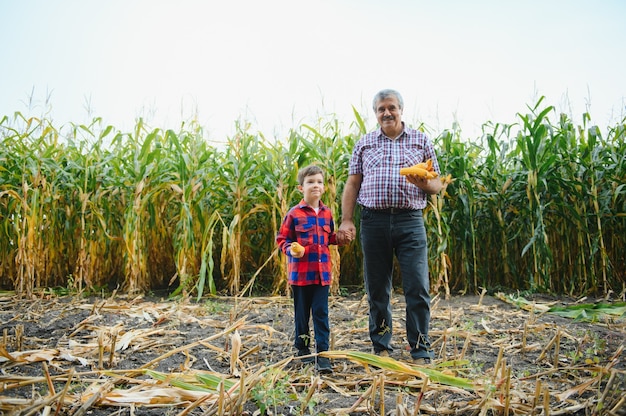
(392, 222)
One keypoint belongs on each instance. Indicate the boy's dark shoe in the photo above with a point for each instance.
(323, 365)
(306, 353)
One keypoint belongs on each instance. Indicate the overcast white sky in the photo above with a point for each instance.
(278, 63)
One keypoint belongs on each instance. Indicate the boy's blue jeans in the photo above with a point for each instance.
(311, 300)
(384, 235)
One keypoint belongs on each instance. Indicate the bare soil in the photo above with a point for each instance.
(55, 358)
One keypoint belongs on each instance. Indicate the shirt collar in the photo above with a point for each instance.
(380, 133)
(303, 204)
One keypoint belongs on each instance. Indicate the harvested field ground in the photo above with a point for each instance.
(169, 356)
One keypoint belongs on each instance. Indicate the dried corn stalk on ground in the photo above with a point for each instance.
(234, 356)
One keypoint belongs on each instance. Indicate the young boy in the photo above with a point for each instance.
(310, 224)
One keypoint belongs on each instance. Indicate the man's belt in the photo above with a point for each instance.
(391, 211)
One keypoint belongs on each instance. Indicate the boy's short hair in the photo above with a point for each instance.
(308, 171)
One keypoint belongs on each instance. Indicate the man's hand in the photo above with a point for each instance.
(430, 186)
(346, 233)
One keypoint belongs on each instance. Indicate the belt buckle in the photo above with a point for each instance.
(394, 210)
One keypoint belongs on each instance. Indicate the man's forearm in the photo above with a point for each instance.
(348, 200)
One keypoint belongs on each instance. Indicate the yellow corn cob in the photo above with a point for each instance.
(414, 170)
(428, 165)
(423, 170)
(296, 249)
(447, 179)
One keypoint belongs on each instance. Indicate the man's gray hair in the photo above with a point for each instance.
(382, 94)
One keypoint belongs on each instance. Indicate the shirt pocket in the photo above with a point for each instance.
(413, 157)
(327, 231)
(372, 157)
(303, 232)
(414, 154)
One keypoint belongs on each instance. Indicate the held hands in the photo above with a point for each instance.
(346, 233)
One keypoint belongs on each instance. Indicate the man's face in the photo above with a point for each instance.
(389, 114)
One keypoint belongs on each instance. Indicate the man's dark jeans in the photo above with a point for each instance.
(384, 235)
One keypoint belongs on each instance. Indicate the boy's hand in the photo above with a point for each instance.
(346, 233)
(297, 251)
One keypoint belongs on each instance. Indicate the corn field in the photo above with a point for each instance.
(536, 205)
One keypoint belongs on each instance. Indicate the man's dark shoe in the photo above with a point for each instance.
(306, 353)
(323, 365)
(421, 361)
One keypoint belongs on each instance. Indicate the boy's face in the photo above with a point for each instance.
(313, 187)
